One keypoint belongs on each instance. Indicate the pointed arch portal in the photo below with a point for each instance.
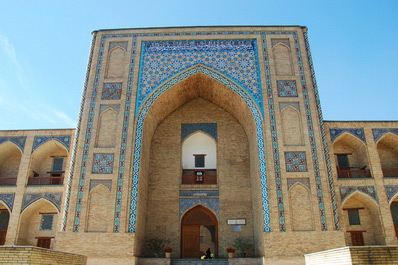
(249, 102)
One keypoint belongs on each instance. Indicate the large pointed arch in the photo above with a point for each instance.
(238, 92)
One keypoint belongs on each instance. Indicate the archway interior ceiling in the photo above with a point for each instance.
(236, 59)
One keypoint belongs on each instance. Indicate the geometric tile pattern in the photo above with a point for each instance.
(333, 196)
(107, 183)
(39, 140)
(295, 162)
(304, 181)
(103, 163)
(199, 193)
(112, 91)
(310, 124)
(54, 198)
(19, 141)
(379, 132)
(287, 88)
(346, 191)
(236, 59)
(391, 191)
(187, 203)
(86, 146)
(8, 199)
(139, 132)
(359, 133)
(209, 128)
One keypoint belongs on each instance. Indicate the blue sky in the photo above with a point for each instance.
(44, 48)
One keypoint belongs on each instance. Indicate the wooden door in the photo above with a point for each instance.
(190, 241)
(3, 237)
(357, 238)
(44, 242)
(396, 230)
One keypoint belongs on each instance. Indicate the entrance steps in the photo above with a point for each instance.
(199, 262)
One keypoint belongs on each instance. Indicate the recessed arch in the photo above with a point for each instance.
(291, 126)
(282, 59)
(10, 159)
(213, 86)
(387, 148)
(116, 56)
(107, 125)
(198, 144)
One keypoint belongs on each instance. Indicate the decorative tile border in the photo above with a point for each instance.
(336, 218)
(359, 133)
(391, 192)
(103, 164)
(346, 191)
(188, 203)
(63, 139)
(304, 181)
(287, 88)
(106, 182)
(30, 198)
(209, 128)
(19, 141)
(199, 193)
(296, 162)
(8, 199)
(111, 91)
(380, 132)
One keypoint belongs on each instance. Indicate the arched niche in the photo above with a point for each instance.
(115, 63)
(291, 126)
(99, 204)
(196, 144)
(301, 208)
(387, 148)
(107, 126)
(362, 216)
(38, 222)
(48, 164)
(282, 60)
(10, 159)
(195, 87)
(351, 157)
(4, 219)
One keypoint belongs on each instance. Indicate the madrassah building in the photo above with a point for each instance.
(197, 136)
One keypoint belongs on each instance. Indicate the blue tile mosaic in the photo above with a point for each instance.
(391, 191)
(188, 129)
(380, 132)
(295, 162)
(111, 91)
(188, 203)
(30, 198)
(287, 88)
(8, 199)
(63, 139)
(69, 179)
(346, 191)
(359, 133)
(103, 163)
(199, 193)
(333, 196)
(236, 59)
(19, 141)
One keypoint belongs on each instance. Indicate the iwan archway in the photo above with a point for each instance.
(198, 82)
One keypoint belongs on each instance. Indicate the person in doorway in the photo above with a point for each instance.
(208, 253)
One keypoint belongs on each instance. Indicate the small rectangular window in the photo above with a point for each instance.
(343, 161)
(58, 163)
(199, 160)
(353, 217)
(46, 223)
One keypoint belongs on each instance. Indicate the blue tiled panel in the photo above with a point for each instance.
(287, 88)
(391, 191)
(8, 199)
(54, 198)
(346, 191)
(19, 141)
(204, 193)
(359, 133)
(111, 91)
(296, 162)
(103, 163)
(63, 139)
(209, 128)
(380, 132)
(187, 203)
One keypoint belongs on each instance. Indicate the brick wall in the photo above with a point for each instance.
(33, 255)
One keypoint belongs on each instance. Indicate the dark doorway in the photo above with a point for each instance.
(4, 218)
